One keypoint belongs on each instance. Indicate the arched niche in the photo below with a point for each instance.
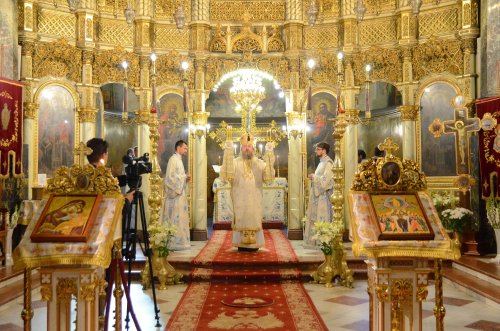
(319, 126)
(116, 133)
(383, 99)
(221, 108)
(56, 128)
(439, 153)
(173, 128)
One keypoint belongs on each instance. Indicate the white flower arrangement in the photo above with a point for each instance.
(458, 219)
(444, 199)
(325, 233)
(493, 212)
(160, 236)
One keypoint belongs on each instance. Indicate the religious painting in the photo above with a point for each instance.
(66, 218)
(56, 129)
(401, 217)
(120, 136)
(391, 173)
(384, 99)
(172, 128)
(8, 40)
(319, 127)
(438, 156)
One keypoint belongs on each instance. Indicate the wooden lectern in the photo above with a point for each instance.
(396, 227)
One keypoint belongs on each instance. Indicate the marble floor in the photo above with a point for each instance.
(342, 309)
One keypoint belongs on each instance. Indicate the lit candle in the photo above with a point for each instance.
(219, 160)
(260, 149)
(235, 149)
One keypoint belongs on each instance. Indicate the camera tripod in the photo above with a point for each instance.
(129, 250)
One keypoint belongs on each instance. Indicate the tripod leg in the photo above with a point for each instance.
(147, 249)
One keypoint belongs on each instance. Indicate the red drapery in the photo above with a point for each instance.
(11, 127)
(489, 155)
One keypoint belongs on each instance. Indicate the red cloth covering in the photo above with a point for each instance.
(489, 158)
(11, 126)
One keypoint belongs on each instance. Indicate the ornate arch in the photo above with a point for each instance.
(70, 87)
(246, 40)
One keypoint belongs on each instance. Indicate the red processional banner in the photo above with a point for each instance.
(11, 127)
(488, 110)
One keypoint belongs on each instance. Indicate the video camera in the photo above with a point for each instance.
(135, 168)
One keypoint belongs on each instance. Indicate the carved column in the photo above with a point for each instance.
(408, 27)
(87, 111)
(200, 10)
(349, 39)
(142, 42)
(198, 154)
(199, 175)
(85, 29)
(30, 110)
(296, 157)
(409, 115)
(293, 10)
(469, 32)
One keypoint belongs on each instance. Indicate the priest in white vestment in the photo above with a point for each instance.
(175, 207)
(320, 206)
(247, 174)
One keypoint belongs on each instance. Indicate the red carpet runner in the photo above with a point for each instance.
(219, 260)
(201, 308)
(219, 251)
(247, 290)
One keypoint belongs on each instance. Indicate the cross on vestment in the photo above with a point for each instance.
(82, 150)
(461, 126)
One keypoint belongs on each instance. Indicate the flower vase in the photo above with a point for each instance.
(324, 273)
(497, 236)
(165, 272)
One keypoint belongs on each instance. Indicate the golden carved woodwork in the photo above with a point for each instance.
(87, 292)
(30, 110)
(86, 179)
(408, 113)
(66, 288)
(379, 31)
(114, 32)
(437, 56)
(168, 36)
(378, 6)
(438, 21)
(368, 177)
(218, 44)
(274, 41)
(266, 10)
(325, 72)
(246, 40)
(56, 23)
(401, 293)
(470, 14)
(87, 115)
(327, 8)
(422, 293)
(387, 64)
(169, 71)
(58, 59)
(166, 8)
(382, 292)
(106, 67)
(27, 48)
(46, 292)
(324, 36)
(279, 68)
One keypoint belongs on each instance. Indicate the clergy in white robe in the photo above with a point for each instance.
(320, 206)
(175, 207)
(247, 175)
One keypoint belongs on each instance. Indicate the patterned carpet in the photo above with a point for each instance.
(201, 308)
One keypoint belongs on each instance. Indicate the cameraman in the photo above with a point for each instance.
(98, 158)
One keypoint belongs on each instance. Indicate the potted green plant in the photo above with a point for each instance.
(493, 214)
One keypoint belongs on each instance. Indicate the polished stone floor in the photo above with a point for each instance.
(342, 309)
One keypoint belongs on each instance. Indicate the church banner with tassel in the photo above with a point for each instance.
(11, 127)
(488, 110)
